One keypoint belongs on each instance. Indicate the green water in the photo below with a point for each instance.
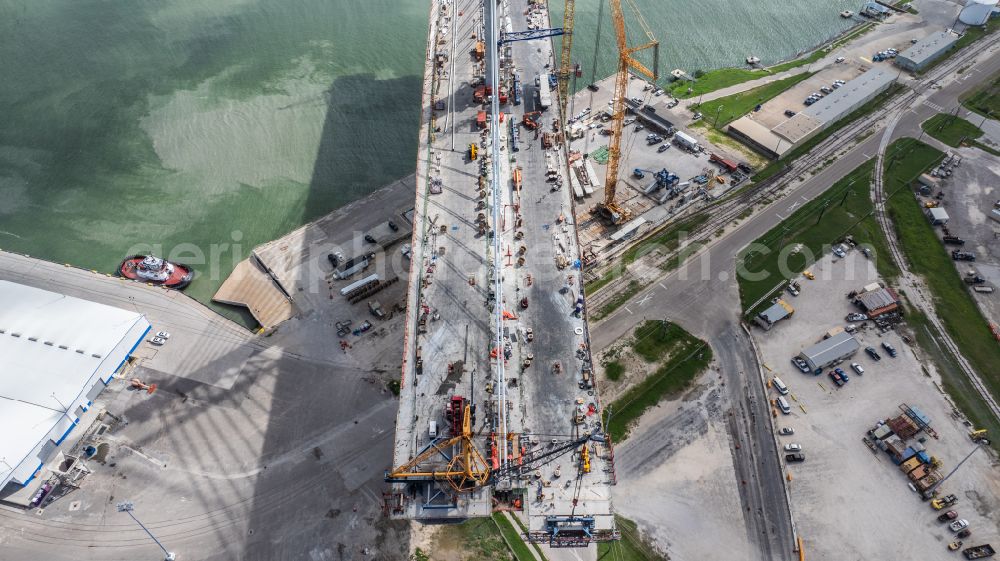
(193, 127)
(188, 124)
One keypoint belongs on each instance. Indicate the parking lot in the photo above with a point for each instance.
(970, 194)
(849, 502)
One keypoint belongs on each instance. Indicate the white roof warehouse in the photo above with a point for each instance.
(57, 354)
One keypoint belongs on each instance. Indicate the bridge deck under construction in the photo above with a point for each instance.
(493, 229)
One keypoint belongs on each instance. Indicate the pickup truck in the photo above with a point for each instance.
(950, 515)
(836, 378)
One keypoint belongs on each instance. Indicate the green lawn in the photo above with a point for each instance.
(520, 549)
(720, 112)
(614, 370)
(845, 209)
(688, 357)
(724, 77)
(950, 129)
(477, 538)
(630, 548)
(929, 259)
(778, 165)
(986, 101)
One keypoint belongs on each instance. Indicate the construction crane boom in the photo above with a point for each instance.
(626, 63)
(566, 58)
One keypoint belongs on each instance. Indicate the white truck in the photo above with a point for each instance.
(544, 95)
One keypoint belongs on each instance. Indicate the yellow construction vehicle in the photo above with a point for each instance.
(585, 458)
(473, 151)
(609, 208)
(977, 435)
(466, 468)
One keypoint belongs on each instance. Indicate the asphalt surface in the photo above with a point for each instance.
(703, 296)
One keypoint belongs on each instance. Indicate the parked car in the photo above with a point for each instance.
(370, 238)
(393, 226)
(836, 379)
(842, 374)
(840, 59)
(889, 349)
(786, 431)
(795, 457)
(163, 334)
(663, 148)
(157, 341)
(959, 525)
(851, 327)
(793, 447)
(800, 364)
(838, 250)
(857, 368)
(854, 316)
(950, 515)
(963, 534)
(789, 113)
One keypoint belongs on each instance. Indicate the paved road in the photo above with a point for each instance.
(703, 296)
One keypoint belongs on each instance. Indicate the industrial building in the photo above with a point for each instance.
(878, 301)
(777, 312)
(926, 51)
(978, 12)
(830, 351)
(777, 141)
(58, 355)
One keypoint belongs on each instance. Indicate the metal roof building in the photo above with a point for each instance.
(926, 51)
(805, 124)
(851, 96)
(58, 353)
(830, 351)
(777, 312)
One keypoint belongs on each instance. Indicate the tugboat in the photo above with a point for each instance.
(154, 270)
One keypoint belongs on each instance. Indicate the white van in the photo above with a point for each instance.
(432, 430)
(783, 405)
(779, 385)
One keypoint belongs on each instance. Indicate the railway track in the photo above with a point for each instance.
(729, 210)
(879, 196)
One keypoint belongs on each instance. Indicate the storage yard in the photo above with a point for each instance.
(847, 487)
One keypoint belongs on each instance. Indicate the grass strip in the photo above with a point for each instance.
(688, 357)
(929, 258)
(513, 538)
(630, 548)
(805, 236)
(722, 111)
(951, 129)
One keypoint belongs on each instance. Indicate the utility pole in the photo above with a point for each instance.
(847, 193)
(717, 111)
(127, 506)
(822, 211)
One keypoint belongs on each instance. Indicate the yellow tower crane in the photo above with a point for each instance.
(565, 58)
(626, 64)
(465, 467)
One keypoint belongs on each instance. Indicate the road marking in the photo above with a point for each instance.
(644, 299)
(661, 285)
(778, 214)
(794, 206)
(933, 106)
(627, 310)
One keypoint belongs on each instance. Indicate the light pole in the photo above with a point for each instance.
(127, 506)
